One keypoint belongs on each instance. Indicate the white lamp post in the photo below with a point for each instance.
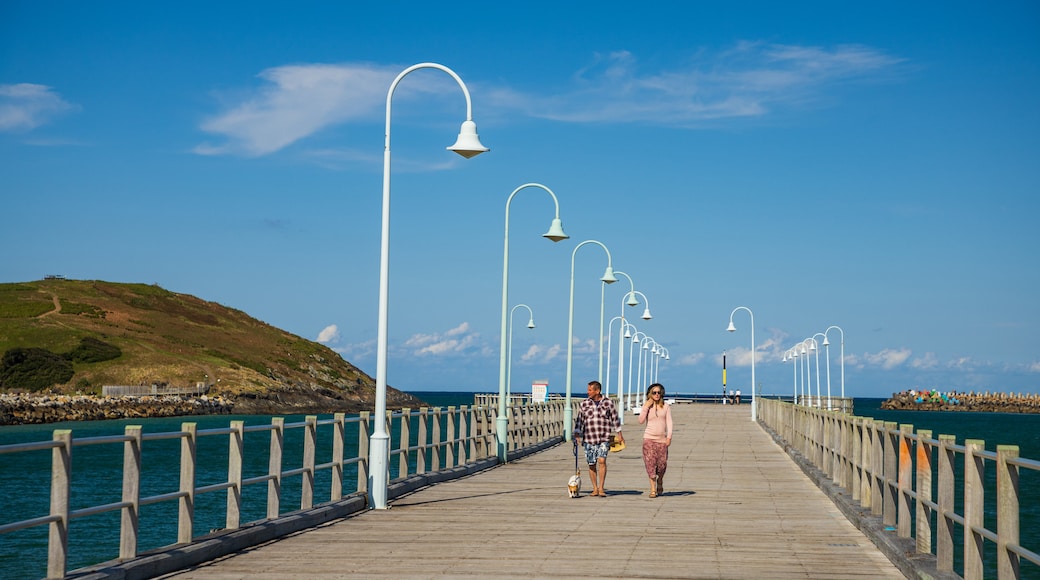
(731, 328)
(468, 145)
(631, 386)
(643, 373)
(608, 277)
(827, 344)
(509, 359)
(815, 348)
(790, 356)
(602, 291)
(555, 234)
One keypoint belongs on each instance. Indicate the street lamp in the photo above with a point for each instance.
(468, 145)
(509, 359)
(790, 355)
(555, 234)
(731, 328)
(818, 395)
(608, 277)
(602, 291)
(630, 390)
(642, 374)
(827, 344)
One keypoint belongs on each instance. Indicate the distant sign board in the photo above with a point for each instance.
(540, 391)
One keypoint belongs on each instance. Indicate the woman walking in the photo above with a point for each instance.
(657, 416)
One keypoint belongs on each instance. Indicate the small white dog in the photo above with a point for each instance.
(574, 485)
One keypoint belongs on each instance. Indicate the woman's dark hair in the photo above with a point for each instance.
(651, 387)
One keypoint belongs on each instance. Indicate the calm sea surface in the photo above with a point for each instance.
(24, 477)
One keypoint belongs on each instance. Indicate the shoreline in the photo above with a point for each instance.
(38, 409)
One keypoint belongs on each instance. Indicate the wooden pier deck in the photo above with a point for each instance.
(735, 506)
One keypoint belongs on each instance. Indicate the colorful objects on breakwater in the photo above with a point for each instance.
(30, 409)
(934, 400)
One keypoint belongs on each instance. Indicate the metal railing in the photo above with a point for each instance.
(909, 480)
(430, 440)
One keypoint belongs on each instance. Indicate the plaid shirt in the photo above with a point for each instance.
(598, 420)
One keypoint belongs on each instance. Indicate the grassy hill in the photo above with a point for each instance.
(161, 337)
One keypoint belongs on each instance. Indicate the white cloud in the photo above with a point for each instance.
(455, 340)
(538, 353)
(25, 106)
(329, 334)
(1035, 367)
(928, 361)
(886, 359)
(692, 359)
(749, 80)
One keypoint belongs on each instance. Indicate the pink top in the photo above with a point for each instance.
(658, 423)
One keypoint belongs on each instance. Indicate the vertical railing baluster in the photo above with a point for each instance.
(362, 464)
(61, 477)
(904, 481)
(234, 493)
(274, 467)
(890, 466)
(406, 436)
(924, 492)
(129, 517)
(974, 496)
(310, 437)
(186, 503)
(436, 455)
(1008, 565)
(449, 460)
(944, 536)
(420, 456)
(858, 432)
(338, 441)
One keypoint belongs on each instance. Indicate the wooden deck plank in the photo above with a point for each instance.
(735, 506)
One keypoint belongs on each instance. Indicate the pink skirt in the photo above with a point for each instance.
(655, 457)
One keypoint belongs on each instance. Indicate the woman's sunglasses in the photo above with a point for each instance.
(655, 392)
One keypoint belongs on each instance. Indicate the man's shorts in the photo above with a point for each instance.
(594, 451)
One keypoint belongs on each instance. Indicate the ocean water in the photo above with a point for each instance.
(24, 477)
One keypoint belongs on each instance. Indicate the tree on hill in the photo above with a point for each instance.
(33, 369)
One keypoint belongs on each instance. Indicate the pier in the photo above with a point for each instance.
(803, 493)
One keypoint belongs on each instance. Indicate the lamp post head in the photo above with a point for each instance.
(608, 276)
(646, 314)
(826, 342)
(731, 328)
(632, 299)
(468, 144)
(555, 232)
(530, 323)
(628, 331)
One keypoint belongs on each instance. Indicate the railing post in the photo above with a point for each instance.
(974, 496)
(310, 437)
(905, 481)
(436, 455)
(406, 437)
(890, 470)
(186, 503)
(449, 460)
(1008, 565)
(129, 518)
(362, 464)
(420, 456)
(61, 476)
(274, 467)
(234, 493)
(944, 535)
(924, 492)
(856, 426)
(338, 440)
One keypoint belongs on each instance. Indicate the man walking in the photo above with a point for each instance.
(598, 420)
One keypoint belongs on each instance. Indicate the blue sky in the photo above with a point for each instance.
(871, 166)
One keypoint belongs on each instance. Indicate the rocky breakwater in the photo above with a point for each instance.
(30, 409)
(934, 400)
